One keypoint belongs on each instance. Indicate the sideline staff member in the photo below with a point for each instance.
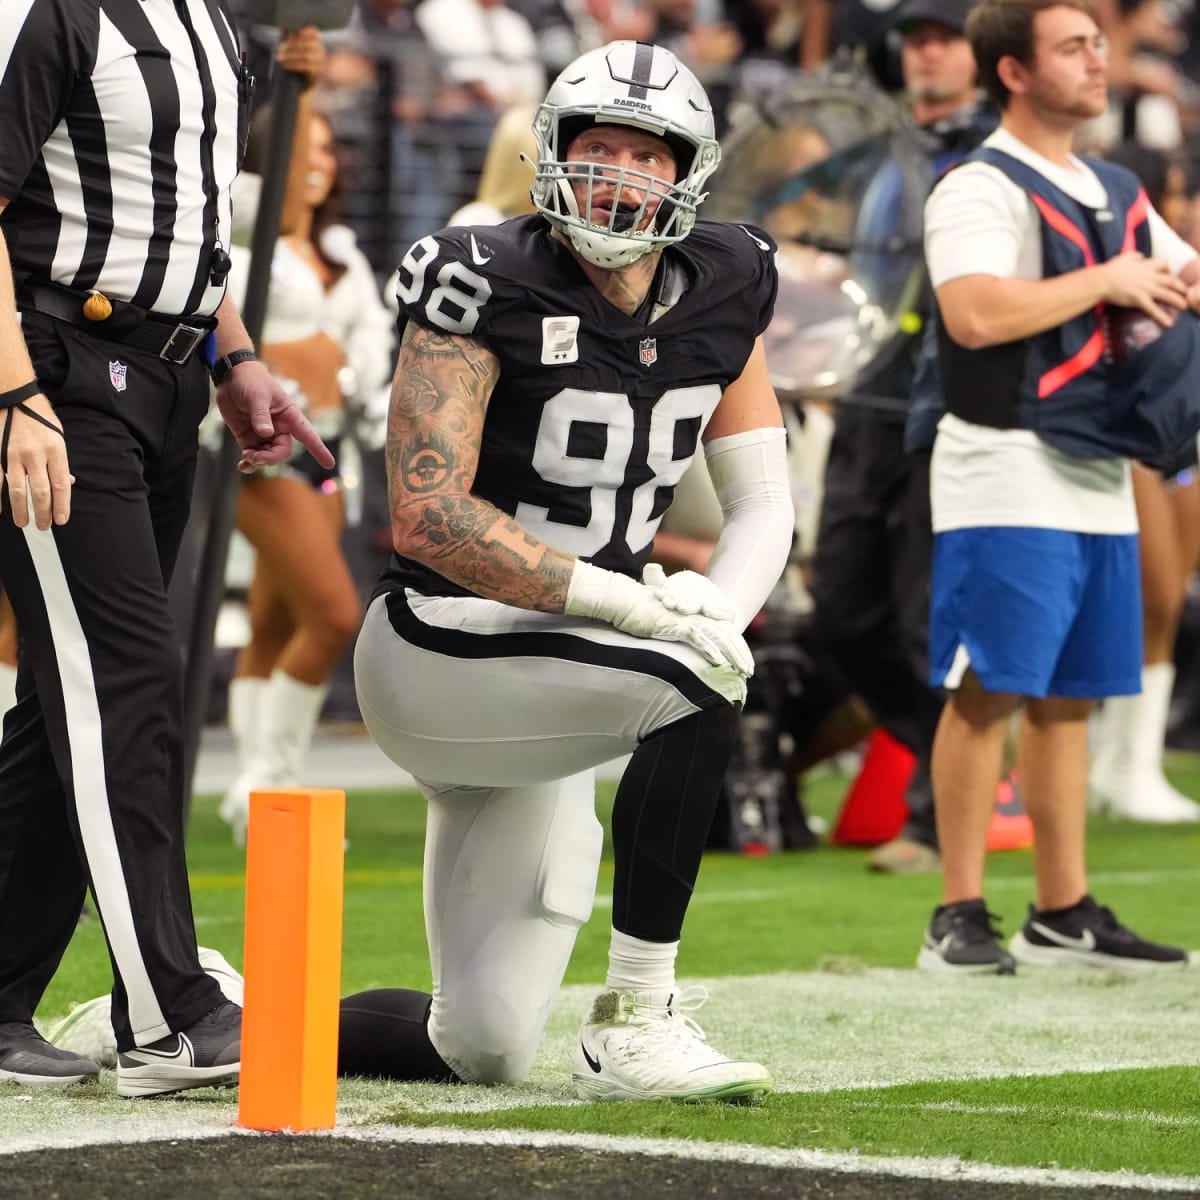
(1035, 594)
(120, 143)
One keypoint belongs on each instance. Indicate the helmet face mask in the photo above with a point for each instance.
(641, 87)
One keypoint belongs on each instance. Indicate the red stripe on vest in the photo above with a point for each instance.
(1083, 359)
(1089, 353)
(1138, 212)
(1062, 224)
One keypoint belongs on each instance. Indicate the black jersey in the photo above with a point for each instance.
(596, 414)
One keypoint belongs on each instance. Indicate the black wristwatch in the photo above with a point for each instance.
(226, 363)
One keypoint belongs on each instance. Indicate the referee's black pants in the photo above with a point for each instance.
(91, 763)
(871, 572)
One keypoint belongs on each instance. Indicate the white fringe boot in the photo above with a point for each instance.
(285, 715)
(1126, 776)
(245, 703)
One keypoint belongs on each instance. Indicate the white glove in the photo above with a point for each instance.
(691, 594)
(720, 642)
(634, 608)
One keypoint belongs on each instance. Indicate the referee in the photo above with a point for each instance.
(122, 123)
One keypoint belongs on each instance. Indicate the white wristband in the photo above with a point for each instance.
(599, 594)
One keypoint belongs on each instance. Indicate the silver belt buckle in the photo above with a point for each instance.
(179, 346)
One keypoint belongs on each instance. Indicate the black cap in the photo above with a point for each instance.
(951, 13)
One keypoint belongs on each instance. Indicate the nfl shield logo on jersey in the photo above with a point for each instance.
(116, 375)
(648, 352)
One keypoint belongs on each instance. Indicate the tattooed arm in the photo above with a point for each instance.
(439, 399)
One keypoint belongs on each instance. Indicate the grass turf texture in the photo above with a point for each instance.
(834, 1004)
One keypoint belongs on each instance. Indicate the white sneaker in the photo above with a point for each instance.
(87, 1029)
(642, 1046)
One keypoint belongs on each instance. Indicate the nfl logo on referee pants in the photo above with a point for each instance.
(116, 375)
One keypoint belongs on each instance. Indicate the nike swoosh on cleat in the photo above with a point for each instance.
(1085, 941)
(477, 256)
(594, 1063)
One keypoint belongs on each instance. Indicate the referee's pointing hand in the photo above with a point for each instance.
(264, 419)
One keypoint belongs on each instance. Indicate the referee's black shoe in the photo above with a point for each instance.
(1088, 934)
(206, 1054)
(26, 1057)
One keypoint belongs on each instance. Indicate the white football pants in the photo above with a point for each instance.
(502, 714)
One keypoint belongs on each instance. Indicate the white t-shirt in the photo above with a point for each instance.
(978, 222)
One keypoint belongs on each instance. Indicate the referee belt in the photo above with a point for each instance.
(173, 339)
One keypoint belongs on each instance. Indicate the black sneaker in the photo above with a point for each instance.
(964, 939)
(26, 1057)
(1088, 934)
(206, 1054)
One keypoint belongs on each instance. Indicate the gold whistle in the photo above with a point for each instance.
(97, 307)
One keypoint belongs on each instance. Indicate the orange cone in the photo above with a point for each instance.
(1010, 827)
(874, 810)
(293, 961)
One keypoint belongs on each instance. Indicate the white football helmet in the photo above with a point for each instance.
(645, 87)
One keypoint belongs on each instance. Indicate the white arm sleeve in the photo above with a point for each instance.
(749, 473)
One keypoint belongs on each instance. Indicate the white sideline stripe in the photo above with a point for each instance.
(765, 1156)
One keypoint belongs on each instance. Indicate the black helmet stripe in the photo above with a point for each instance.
(643, 60)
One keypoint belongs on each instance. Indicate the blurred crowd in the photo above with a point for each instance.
(424, 106)
(415, 88)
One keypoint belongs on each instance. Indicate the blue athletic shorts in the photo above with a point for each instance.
(1037, 612)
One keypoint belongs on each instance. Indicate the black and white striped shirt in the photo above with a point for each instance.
(119, 144)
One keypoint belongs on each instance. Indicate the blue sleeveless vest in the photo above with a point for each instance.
(1061, 383)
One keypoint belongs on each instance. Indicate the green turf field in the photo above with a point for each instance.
(808, 959)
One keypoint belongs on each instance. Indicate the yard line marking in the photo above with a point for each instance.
(195, 1124)
(734, 896)
(1018, 883)
(1029, 1110)
(1101, 877)
(942, 1168)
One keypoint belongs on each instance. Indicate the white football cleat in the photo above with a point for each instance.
(641, 1045)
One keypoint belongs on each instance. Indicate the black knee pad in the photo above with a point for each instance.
(384, 1032)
